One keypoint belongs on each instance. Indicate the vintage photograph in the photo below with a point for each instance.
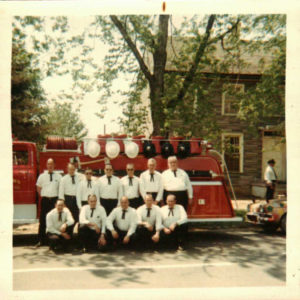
(149, 151)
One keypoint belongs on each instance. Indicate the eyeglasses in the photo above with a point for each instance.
(88, 173)
(129, 169)
(108, 169)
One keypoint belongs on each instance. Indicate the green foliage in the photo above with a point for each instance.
(63, 121)
(32, 119)
(28, 103)
(180, 90)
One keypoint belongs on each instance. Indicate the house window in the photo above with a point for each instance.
(229, 98)
(233, 151)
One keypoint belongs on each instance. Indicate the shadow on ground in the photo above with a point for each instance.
(245, 248)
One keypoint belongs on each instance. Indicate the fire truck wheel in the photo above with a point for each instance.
(283, 224)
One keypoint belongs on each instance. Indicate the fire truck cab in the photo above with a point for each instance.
(211, 199)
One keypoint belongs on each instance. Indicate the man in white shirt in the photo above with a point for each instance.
(151, 183)
(59, 226)
(86, 187)
(110, 189)
(121, 224)
(270, 177)
(174, 221)
(176, 182)
(149, 223)
(131, 187)
(68, 189)
(92, 224)
(47, 188)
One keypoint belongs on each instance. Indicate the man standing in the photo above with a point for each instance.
(174, 220)
(149, 223)
(121, 224)
(110, 189)
(130, 187)
(47, 187)
(67, 190)
(86, 187)
(92, 222)
(176, 182)
(270, 179)
(151, 183)
(59, 226)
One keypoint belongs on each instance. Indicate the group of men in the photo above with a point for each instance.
(147, 211)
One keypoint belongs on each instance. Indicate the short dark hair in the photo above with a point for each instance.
(271, 161)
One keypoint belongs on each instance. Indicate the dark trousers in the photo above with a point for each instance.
(270, 191)
(144, 237)
(71, 204)
(175, 238)
(118, 242)
(181, 197)
(136, 202)
(47, 204)
(88, 238)
(109, 204)
(56, 240)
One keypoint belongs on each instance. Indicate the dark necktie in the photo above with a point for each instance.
(175, 173)
(274, 173)
(89, 184)
(109, 179)
(59, 216)
(92, 212)
(73, 179)
(123, 214)
(148, 212)
(171, 212)
(51, 176)
(130, 181)
(152, 177)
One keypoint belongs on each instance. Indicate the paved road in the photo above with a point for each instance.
(223, 258)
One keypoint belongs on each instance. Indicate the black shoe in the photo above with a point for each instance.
(39, 244)
(181, 248)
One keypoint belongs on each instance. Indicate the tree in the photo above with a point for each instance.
(185, 92)
(63, 121)
(139, 47)
(32, 119)
(28, 103)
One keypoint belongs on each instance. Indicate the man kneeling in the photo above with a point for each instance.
(149, 223)
(174, 219)
(92, 221)
(59, 227)
(121, 224)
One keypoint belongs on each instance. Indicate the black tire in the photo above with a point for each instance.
(283, 224)
(270, 228)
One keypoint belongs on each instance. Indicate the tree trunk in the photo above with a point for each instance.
(157, 82)
(157, 113)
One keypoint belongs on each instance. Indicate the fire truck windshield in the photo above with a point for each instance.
(20, 157)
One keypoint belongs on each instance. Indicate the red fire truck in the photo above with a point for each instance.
(211, 202)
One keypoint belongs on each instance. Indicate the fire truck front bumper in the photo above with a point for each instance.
(208, 222)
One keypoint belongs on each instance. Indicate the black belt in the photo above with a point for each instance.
(135, 198)
(108, 199)
(71, 196)
(50, 198)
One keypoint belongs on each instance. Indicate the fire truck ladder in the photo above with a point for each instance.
(228, 175)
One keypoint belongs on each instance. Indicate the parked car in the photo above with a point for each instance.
(269, 215)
